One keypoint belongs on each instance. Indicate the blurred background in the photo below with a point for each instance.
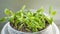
(15, 5)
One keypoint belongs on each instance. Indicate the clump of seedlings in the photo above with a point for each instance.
(27, 21)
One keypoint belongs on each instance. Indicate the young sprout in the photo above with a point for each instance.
(30, 21)
(51, 12)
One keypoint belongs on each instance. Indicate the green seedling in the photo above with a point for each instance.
(30, 21)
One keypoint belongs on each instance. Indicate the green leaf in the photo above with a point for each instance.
(20, 26)
(23, 7)
(40, 10)
(50, 9)
(34, 29)
(49, 20)
(12, 13)
(11, 19)
(27, 29)
(53, 13)
(7, 11)
(3, 19)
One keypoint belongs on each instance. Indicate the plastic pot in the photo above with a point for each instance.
(48, 30)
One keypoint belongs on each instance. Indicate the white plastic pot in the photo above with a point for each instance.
(48, 30)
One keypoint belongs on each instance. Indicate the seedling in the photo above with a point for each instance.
(29, 21)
